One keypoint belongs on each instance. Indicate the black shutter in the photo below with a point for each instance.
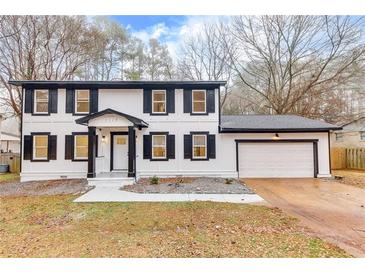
(52, 147)
(147, 101)
(187, 146)
(53, 99)
(94, 100)
(147, 146)
(69, 147)
(170, 100)
(70, 100)
(97, 145)
(210, 101)
(28, 101)
(170, 146)
(211, 146)
(187, 100)
(28, 147)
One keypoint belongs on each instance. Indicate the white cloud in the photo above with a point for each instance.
(173, 36)
(152, 32)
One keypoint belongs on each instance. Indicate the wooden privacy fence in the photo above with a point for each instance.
(352, 158)
(11, 159)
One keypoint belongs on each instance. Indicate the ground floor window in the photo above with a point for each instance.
(81, 147)
(158, 146)
(40, 147)
(199, 146)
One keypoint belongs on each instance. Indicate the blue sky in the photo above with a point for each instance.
(168, 29)
(140, 22)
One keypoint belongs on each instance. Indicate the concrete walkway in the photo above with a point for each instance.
(113, 194)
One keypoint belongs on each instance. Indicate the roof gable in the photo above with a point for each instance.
(133, 120)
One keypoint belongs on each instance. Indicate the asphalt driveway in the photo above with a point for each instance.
(334, 211)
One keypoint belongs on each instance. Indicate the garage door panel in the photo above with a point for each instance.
(268, 160)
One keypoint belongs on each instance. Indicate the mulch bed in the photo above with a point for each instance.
(48, 187)
(199, 185)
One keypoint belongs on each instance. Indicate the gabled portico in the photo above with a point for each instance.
(115, 132)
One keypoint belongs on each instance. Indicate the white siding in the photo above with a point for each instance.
(178, 123)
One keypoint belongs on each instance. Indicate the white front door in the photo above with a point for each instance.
(120, 152)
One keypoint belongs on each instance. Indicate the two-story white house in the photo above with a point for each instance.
(121, 129)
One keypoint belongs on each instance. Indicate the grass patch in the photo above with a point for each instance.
(53, 226)
(9, 177)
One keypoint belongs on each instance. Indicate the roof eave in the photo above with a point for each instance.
(115, 84)
(275, 130)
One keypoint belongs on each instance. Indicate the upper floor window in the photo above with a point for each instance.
(158, 146)
(199, 104)
(40, 147)
(81, 147)
(41, 98)
(362, 135)
(158, 101)
(339, 137)
(199, 146)
(82, 99)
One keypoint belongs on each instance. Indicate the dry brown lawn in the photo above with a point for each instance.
(351, 177)
(54, 226)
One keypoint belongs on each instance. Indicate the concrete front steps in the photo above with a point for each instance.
(107, 182)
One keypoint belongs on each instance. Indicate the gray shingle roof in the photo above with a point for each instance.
(262, 123)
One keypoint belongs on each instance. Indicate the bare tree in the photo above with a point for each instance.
(295, 63)
(40, 48)
(158, 61)
(203, 56)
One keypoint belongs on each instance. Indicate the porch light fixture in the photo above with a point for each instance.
(103, 139)
(276, 137)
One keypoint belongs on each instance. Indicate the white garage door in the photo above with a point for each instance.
(270, 160)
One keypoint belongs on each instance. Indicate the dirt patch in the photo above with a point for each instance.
(199, 185)
(350, 177)
(49, 187)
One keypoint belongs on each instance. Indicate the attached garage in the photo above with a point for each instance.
(277, 158)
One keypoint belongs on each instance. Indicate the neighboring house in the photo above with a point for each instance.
(10, 135)
(352, 135)
(103, 129)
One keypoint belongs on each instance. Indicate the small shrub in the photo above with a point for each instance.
(228, 181)
(154, 180)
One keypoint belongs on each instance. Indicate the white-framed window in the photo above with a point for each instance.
(81, 147)
(199, 101)
(199, 146)
(158, 146)
(82, 99)
(41, 98)
(158, 101)
(40, 147)
(339, 137)
(362, 135)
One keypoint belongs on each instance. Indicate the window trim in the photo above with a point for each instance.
(34, 134)
(336, 136)
(75, 158)
(153, 101)
(193, 157)
(152, 146)
(35, 103)
(75, 103)
(205, 101)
